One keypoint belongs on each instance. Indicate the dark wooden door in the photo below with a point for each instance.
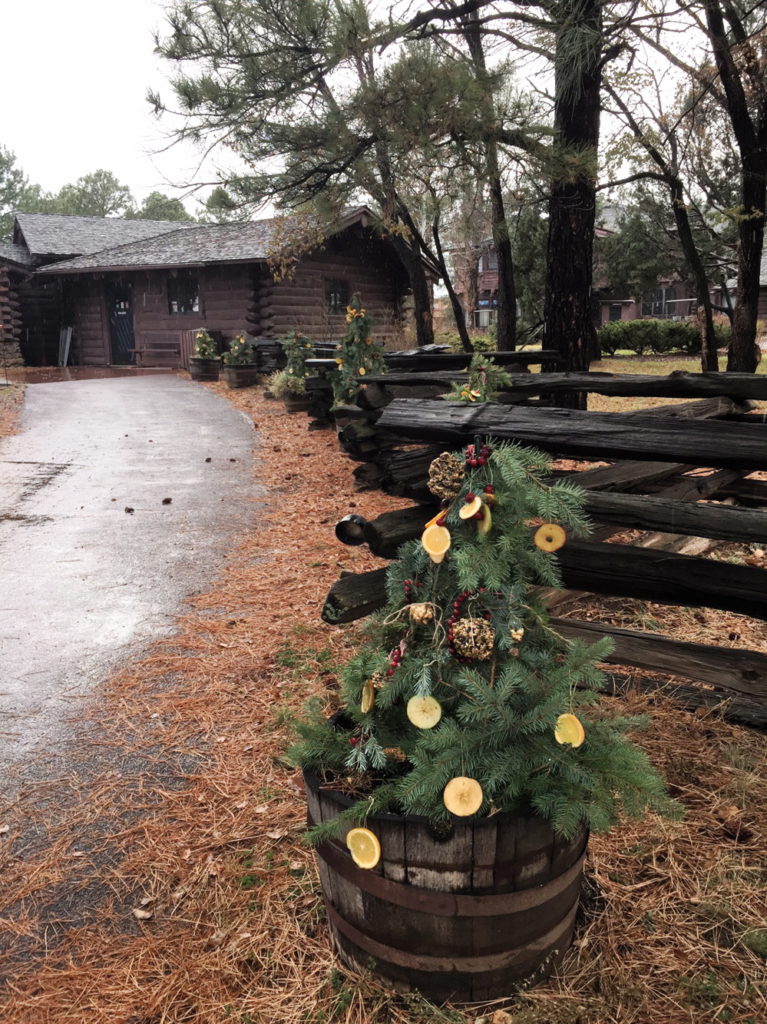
(121, 324)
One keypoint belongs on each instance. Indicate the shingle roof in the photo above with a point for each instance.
(15, 253)
(209, 243)
(52, 234)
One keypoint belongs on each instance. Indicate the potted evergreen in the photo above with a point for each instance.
(239, 369)
(205, 364)
(452, 792)
(357, 356)
(289, 385)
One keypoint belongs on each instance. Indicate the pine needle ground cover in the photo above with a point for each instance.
(177, 825)
(11, 401)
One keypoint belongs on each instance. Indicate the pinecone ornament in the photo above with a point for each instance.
(473, 638)
(446, 476)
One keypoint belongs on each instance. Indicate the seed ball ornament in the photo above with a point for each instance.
(446, 476)
(549, 537)
(421, 612)
(424, 712)
(569, 730)
(463, 796)
(364, 847)
(436, 541)
(395, 752)
(378, 679)
(473, 638)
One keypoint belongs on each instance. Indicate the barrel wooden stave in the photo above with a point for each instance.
(466, 917)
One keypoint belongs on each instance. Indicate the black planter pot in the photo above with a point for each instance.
(244, 376)
(204, 369)
(468, 916)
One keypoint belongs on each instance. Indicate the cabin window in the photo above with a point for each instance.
(492, 260)
(183, 295)
(336, 296)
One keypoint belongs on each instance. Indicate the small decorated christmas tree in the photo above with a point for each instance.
(466, 701)
(357, 356)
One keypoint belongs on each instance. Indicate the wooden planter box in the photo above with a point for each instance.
(297, 403)
(467, 917)
(242, 376)
(204, 369)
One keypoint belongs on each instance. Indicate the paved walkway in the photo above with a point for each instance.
(83, 582)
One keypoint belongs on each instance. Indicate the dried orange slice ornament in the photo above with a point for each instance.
(364, 847)
(549, 537)
(436, 542)
(368, 697)
(485, 523)
(472, 505)
(424, 712)
(568, 730)
(463, 796)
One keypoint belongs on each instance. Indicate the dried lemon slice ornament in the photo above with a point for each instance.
(463, 796)
(368, 697)
(424, 712)
(364, 847)
(569, 730)
(436, 542)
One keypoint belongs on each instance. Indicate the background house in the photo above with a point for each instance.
(136, 291)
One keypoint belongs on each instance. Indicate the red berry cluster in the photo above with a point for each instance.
(353, 741)
(476, 458)
(489, 495)
(394, 659)
(409, 593)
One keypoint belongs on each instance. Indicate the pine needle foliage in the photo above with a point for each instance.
(486, 379)
(499, 713)
(358, 354)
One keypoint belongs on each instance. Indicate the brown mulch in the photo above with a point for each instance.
(161, 878)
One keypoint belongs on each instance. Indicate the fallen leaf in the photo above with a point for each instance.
(4, 829)
(277, 834)
(262, 809)
(147, 900)
(241, 806)
(296, 865)
(143, 915)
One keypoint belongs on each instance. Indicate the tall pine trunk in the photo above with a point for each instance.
(743, 355)
(507, 292)
(708, 356)
(569, 326)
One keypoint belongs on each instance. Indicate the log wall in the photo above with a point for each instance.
(10, 317)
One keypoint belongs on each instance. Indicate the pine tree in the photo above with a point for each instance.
(465, 700)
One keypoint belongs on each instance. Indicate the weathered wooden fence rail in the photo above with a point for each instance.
(676, 457)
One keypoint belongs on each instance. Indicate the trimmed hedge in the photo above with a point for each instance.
(656, 336)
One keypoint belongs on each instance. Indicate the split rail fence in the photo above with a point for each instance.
(682, 475)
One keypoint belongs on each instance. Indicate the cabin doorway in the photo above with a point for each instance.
(121, 338)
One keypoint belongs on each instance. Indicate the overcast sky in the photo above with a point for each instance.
(74, 77)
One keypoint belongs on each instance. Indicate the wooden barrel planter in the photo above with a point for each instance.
(204, 369)
(244, 376)
(467, 917)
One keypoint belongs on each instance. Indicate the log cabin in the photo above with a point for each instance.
(140, 302)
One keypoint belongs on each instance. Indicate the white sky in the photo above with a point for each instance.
(73, 80)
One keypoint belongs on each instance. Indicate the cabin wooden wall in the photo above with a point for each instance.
(40, 303)
(85, 310)
(371, 268)
(10, 317)
(763, 304)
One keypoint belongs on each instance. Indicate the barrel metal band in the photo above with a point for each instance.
(446, 904)
(553, 939)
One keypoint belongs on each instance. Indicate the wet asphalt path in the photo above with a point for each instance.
(83, 583)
